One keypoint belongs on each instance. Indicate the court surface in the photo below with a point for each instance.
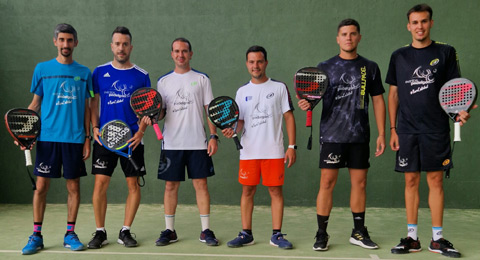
(385, 225)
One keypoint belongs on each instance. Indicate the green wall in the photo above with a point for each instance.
(296, 33)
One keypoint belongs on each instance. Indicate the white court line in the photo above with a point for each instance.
(372, 257)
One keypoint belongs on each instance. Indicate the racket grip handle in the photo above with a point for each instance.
(456, 132)
(157, 131)
(28, 157)
(237, 142)
(309, 118)
(134, 164)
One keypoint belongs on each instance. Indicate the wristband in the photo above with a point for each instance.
(292, 146)
(214, 136)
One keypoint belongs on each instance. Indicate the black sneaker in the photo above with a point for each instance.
(99, 239)
(125, 238)
(208, 237)
(444, 247)
(166, 237)
(361, 238)
(321, 241)
(407, 245)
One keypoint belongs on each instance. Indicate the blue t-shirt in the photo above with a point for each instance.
(64, 89)
(115, 87)
(345, 103)
(419, 74)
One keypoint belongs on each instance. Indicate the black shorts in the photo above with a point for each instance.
(350, 155)
(51, 156)
(423, 152)
(173, 162)
(105, 161)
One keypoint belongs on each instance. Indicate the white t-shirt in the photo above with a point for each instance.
(262, 107)
(184, 98)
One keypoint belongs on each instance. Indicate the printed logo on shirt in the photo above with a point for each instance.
(44, 168)
(348, 84)
(66, 94)
(269, 96)
(118, 93)
(333, 159)
(402, 162)
(106, 75)
(182, 100)
(421, 77)
(247, 98)
(260, 115)
(434, 62)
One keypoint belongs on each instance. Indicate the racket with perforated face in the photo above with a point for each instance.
(114, 136)
(310, 84)
(148, 102)
(24, 127)
(454, 96)
(223, 112)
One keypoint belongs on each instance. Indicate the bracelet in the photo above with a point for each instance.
(96, 127)
(214, 136)
(393, 127)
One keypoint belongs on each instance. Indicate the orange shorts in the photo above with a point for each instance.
(272, 172)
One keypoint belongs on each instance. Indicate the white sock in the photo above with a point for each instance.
(412, 231)
(205, 219)
(437, 233)
(170, 222)
(101, 229)
(125, 228)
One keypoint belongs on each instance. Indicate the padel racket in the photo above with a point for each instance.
(223, 112)
(24, 126)
(114, 136)
(310, 84)
(148, 102)
(454, 96)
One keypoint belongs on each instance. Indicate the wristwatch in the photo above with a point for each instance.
(214, 136)
(89, 137)
(292, 146)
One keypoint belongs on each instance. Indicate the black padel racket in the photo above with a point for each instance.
(24, 126)
(310, 84)
(114, 136)
(148, 102)
(454, 96)
(223, 112)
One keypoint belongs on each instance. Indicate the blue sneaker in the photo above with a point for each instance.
(34, 244)
(208, 237)
(243, 239)
(279, 241)
(71, 241)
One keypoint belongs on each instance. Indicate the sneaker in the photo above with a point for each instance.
(125, 238)
(361, 238)
(208, 237)
(166, 237)
(243, 239)
(407, 245)
(71, 241)
(35, 243)
(444, 247)
(99, 239)
(279, 241)
(321, 241)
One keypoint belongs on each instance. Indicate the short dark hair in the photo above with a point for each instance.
(122, 30)
(348, 22)
(182, 39)
(65, 28)
(420, 8)
(256, 48)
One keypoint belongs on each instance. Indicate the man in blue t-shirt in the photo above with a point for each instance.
(61, 89)
(420, 131)
(345, 131)
(113, 84)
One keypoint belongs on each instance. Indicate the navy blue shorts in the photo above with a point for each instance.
(51, 156)
(350, 155)
(104, 161)
(173, 162)
(423, 152)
